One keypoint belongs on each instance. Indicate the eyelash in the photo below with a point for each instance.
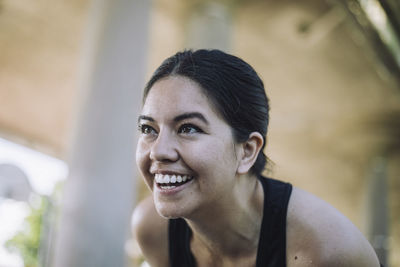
(147, 129)
(189, 125)
(143, 127)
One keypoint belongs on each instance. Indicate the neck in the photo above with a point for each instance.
(231, 227)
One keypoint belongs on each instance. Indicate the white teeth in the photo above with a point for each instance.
(158, 178)
(171, 179)
(166, 179)
(167, 186)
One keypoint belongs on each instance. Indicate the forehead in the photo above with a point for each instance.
(176, 94)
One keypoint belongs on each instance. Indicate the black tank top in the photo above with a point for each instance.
(272, 243)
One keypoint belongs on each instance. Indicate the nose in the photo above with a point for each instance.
(164, 148)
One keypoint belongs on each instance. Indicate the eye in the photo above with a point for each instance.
(189, 129)
(146, 129)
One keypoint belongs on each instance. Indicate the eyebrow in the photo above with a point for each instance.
(144, 117)
(184, 116)
(191, 115)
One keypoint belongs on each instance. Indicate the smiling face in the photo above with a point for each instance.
(185, 152)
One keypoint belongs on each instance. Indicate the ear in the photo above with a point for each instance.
(249, 155)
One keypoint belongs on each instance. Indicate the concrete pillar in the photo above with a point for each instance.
(99, 194)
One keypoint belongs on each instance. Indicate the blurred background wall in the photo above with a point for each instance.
(331, 70)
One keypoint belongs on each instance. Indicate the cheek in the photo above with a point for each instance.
(142, 157)
(216, 155)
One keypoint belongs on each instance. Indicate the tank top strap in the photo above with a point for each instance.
(272, 241)
(179, 235)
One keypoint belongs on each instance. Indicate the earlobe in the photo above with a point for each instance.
(251, 148)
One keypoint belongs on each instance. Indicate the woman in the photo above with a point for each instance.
(202, 134)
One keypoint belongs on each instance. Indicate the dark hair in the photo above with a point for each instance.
(231, 84)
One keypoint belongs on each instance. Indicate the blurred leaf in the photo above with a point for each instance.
(26, 242)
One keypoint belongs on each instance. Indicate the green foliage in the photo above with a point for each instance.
(26, 242)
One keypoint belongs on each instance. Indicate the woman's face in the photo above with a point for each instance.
(185, 151)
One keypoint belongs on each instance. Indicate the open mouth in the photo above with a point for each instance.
(171, 181)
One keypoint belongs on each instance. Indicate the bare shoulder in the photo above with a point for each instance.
(319, 235)
(151, 233)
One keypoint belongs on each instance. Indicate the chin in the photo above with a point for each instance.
(170, 210)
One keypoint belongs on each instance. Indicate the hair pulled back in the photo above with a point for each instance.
(231, 84)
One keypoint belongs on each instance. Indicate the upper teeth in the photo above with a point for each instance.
(166, 179)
